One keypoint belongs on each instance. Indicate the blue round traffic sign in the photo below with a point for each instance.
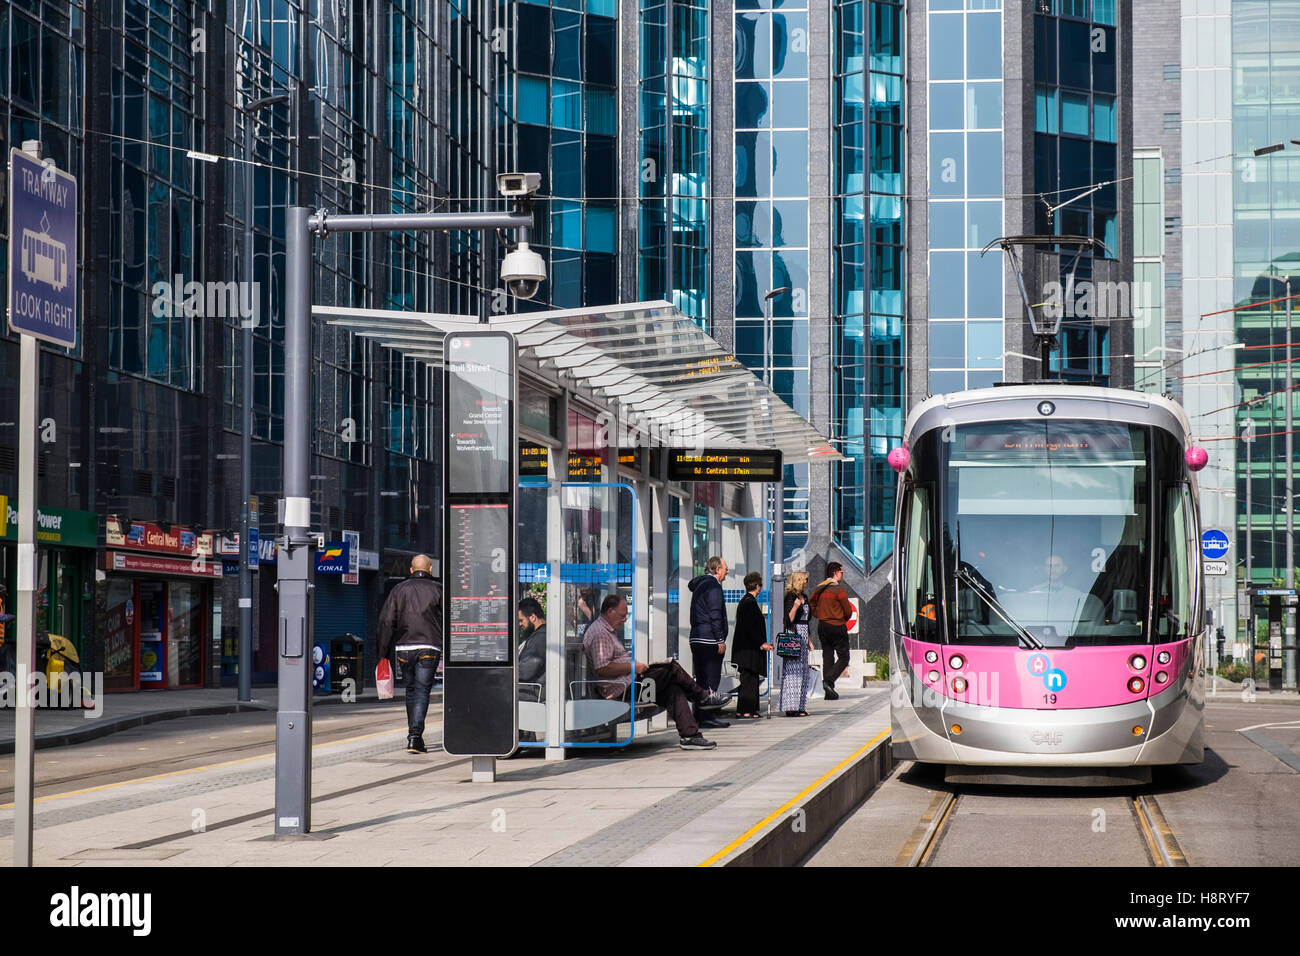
(1214, 544)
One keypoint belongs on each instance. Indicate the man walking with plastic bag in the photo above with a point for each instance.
(411, 624)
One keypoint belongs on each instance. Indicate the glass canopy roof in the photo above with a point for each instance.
(670, 382)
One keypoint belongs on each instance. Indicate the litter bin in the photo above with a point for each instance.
(347, 655)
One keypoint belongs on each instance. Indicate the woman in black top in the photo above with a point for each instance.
(749, 646)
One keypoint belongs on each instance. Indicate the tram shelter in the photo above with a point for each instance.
(605, 396)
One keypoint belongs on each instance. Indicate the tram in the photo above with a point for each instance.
(1047, 597)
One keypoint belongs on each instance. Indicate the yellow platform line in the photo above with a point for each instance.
(793, 801)
(177, 773)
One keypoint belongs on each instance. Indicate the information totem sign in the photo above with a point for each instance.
(479, 699)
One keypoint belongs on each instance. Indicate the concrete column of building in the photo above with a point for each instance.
(722, 211)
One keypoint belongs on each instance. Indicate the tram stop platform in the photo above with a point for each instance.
(766, 796)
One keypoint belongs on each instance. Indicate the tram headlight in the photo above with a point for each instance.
(932, 677)
(931, 657)
(959, 685)
(1136, 685)
(1161, 677)
(956, 662)
(1137, 662)
(1162, 657)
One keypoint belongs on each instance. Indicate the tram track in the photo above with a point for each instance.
(960, 808)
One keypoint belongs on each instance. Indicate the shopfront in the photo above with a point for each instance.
(65, 565)
(154, 606)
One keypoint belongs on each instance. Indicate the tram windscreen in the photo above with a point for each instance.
(1046, 532)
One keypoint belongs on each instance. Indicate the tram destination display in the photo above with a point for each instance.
(478, 585)
(480, 386)
(724, 464)
(481, 448)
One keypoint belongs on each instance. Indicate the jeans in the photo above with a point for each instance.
(708, 670)
(419, 667)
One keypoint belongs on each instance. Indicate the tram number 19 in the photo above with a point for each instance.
(1049, 698)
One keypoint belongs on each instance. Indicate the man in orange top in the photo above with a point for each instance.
(830, 605)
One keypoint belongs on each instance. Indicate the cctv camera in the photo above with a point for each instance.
(523, 271)
(517, 185)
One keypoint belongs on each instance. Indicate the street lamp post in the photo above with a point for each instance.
(777, 511)
(246, 410)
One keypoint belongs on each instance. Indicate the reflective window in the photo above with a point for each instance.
(946, 59)
(947, 225)
(984, 46)
(947, 106)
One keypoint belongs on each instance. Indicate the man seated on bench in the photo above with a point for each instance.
(675, 689)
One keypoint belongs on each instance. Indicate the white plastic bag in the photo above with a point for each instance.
(384, 680)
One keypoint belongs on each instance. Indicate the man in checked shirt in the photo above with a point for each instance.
(674, 688)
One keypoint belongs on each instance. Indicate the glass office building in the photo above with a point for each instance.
(867, 248)
(1265, 253)
(392, 106)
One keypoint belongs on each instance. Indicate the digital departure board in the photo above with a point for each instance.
(534, 460)
(478, 584)
(480, 388)
(480, 454)
(724, 464)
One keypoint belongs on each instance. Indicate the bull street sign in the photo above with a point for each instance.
(42, 250)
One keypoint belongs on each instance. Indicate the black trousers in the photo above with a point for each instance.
(835, 644)
(675, 691)
(747, 696)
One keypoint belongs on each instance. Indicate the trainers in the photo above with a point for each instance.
(697, 743)
(829, 688)
(714, 722)
(714, 700)
(415, 745)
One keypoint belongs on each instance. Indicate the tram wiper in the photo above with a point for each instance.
(1026, 638)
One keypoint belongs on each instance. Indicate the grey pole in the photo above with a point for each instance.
(246, 413)
(1289, 673)
(25, 718)
(293, 719)
(778, 493)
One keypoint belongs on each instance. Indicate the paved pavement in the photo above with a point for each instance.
(56, 727)
(374, 804)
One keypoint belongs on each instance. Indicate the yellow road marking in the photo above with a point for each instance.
(761, 824)
(177, 773)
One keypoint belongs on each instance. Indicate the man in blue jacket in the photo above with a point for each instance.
(709, 632)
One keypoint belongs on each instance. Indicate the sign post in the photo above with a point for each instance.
(479, 699)
(42, 305)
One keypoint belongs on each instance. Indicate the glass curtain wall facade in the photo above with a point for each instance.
(1148, 273)
(566, 111)
(771, 220)
(673, 103)
(1266, 250)
(966, 149)
(868, 273)
(1076, 123)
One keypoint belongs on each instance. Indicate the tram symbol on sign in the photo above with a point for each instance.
(44, 258)
(1039, 664)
